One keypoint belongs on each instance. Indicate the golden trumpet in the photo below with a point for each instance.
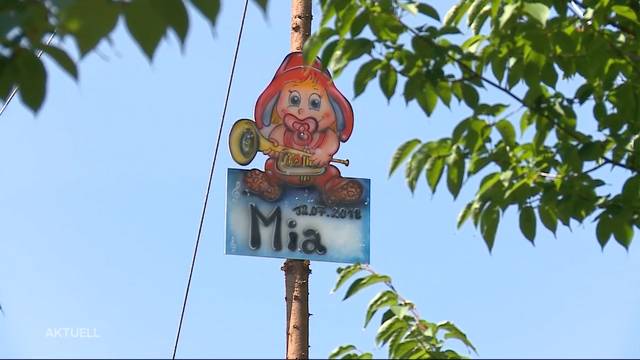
(245, 141)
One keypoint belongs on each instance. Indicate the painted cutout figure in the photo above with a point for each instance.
(304, 117)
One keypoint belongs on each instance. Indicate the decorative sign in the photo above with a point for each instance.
(300, 206)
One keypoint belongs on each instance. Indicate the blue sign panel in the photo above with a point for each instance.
(300, 223)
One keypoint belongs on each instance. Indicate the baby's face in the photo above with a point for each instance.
(306, 99)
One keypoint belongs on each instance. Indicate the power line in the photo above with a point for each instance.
(213, 166)
(15, 88)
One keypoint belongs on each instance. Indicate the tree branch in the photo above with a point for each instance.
(596, 167)
(508, 92)
(412, 308)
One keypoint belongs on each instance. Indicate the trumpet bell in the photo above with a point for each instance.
(244, 141)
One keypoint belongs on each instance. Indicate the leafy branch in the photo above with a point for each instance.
(466, 68)
(406, 334)
(25, 25)
(537, 45)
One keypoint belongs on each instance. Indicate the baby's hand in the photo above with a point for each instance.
(271, 152)
(320, 158)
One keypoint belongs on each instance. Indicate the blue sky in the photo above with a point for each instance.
(101, 192)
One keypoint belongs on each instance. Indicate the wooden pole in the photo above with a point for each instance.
(296, 278)
(296, 272)
(300, 23)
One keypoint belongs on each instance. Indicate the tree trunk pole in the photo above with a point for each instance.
(296, 272)
(296, 278)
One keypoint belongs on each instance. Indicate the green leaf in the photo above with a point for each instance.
(314, 43)
(175, 15)
(262, 4)
(412, 86)
(390, 328)
(8, 76)
(427, 98)
(328, 11)
(456, 89)
(548, 218)
(591, 151)
(388, 80)
(359, 23)
(401, 310)
(487, 184)
(455, 13)
(429, 11)
(528, 223)
(498, 65)
(409, 7)
(479, 21)
(489, 225)
(63, 59)
(329, 50)
(435, 169)
(538, 11)
(403, 348)
(424, 48)
(477, 163)
(631, 189)
(209, 8)
(549, 74)
(584, 91)
(464, 214)
(517, 192)
(417, 163)
(355, 48)
(625, 11)
(9, 20)
(525, 121)
(385, 26)
(476, 210)
(145, 24)
(345, 273)
(507, 13)
(365, 74)
(341, 350)
(34, 22)
(507, 132)
(455, 173)
(386, 298)
(401, 154)
(469, 95)
(32, 79)
(474, 10)
(515, 74)
(348, 50)
(395, 339)
(565, 211)
(89, 22)
(387, 316)
(604, 229)
(345, 19)
(444, 92)
(365, 282)
(454, 333)
(472, 43)
(623, 233)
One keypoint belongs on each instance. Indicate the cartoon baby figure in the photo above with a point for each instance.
(302, 110)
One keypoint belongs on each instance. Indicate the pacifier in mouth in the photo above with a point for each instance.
(303, 136)
(303, 128)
